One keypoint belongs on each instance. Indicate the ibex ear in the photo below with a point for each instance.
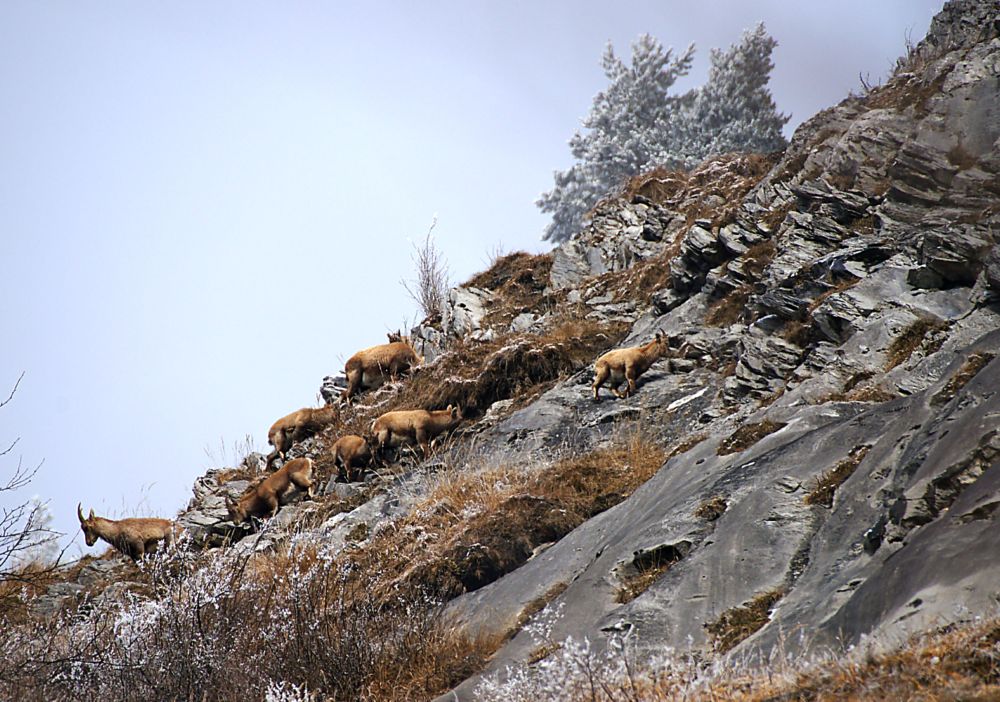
(659, 335)
(91, 514)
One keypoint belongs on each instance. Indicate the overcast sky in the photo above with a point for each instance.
(205, 207)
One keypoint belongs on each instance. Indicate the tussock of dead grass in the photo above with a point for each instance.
(973, 364)
(729, 176)
(739, 623)
(911, 339)
(647, 567)
(712, 508)
(746, 436)
(475, 527)
(729, 308)
(827, 484)
(518, 282)
(540, 603)
(686, 445)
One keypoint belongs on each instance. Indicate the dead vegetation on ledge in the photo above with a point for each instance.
(826, 485)
(476, 526)
(973, 364)
(746, 436)
(739, 623)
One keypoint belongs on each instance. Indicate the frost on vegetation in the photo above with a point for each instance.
(636, 124)
(227, 625)
(287, 692)
(573, 669)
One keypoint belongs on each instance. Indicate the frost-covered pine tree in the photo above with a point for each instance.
(734, 110)
(635, 124)
(622, 131)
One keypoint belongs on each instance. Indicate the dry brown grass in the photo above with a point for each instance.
(739, 623)
(729, 308)
(746, 436)
(973, 364)
(774, 217)
(647, 567)
(518, 281)
(859, 389)
(474, 527)
(712, 508)
(911, 339)
(540, 603)
(839, 287)
(826, 485)
(949, 664)
(729, 176)
(952, 663)
(901, 95)
(686, 445)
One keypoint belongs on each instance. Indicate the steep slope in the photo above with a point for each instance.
(813, 466)
(860, 279)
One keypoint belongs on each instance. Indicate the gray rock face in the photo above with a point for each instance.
(465, 310)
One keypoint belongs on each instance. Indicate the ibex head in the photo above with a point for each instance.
(236, 515)
(87, 525)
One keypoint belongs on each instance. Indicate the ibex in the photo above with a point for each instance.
(369, 368)
(134, 537)
(350, 452)
(264, 499)
(628, 364)
(296, 426)
(414, 427)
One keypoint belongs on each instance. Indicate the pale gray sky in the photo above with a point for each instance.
(206, 207)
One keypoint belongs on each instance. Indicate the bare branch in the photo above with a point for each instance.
(430, 289)
(11, 396)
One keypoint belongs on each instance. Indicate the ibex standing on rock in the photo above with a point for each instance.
(264, 499)
(628, 364)
(414, 427)
(369, 368)
(134, 537)
(350, 452)
(296, 426)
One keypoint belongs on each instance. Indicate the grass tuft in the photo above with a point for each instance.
(746, 436)
(739, 623)
(827, 484)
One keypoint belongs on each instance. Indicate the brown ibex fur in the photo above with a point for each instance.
(296, 426)
(626, 365)
(350, 451)
(414, 427)
(369, 368)
(264, 499)
(133, 537)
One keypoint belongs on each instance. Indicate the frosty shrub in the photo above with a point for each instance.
(635, 124)
(429, 289)
(295, 625)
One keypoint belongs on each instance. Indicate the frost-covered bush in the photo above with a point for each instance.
(636, 124)
(225, 625)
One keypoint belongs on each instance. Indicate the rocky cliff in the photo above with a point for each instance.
(818, 454)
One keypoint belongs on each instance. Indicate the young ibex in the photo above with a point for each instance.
(628, 364)
(351, 452)
(414, 427)
(369, 368)
(264, 499)
(296, 426)
(133, 537)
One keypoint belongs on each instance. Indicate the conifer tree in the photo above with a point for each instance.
(636, 124)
